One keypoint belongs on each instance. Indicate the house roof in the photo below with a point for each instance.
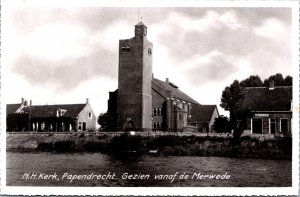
(163, 88)
(202, 113)
(263, 99)
(42, 111)
(12, 108)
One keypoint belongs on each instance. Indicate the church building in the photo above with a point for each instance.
(144, 103)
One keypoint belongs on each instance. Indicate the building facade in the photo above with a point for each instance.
(143, 102)
(134, 84)
(266, 110)
(204, 117)
(52, 118)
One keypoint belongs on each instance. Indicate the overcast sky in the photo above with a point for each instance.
(64, 55)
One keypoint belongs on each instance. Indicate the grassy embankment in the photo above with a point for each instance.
(249, 146)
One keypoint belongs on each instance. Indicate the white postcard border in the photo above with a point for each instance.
(9, 190)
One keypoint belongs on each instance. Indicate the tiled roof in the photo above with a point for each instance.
(12, 108)
(263, 99)
(202, 113)
(41, 111)
(164, 87)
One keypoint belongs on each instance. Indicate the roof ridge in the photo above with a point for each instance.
(261, 87)
(59, 104)
(176, 92)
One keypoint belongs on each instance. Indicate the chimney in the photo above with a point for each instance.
(87, 101)
(30, 102)
(271, 85)
(167, 80)
(22, 100)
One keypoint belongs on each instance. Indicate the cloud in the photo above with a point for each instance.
(56, 41)
(213, 67)
(273, 28)
(211, 20)
(64, 55)
(271, 65)
(41, 95)
(185, 35)
(109, 37)
(67, 73)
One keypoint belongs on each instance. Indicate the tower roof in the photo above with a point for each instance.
(140, 24)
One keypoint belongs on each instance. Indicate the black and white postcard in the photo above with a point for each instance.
(149, 97)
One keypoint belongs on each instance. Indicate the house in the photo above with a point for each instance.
(145, 103)
(266, 110)
(16, 119)
(203, 117)
(57, 118)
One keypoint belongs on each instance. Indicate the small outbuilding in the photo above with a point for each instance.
(203, 117)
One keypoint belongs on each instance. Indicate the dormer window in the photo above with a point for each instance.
(61, 112)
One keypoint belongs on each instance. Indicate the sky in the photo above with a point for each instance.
(64, 55)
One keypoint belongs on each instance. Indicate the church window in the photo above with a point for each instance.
(159, 125)
(156, 111)
(125, 49)
(174, 106)
(90, 115)
(149, 51)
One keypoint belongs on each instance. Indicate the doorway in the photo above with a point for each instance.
(84, 126)
(257, 125)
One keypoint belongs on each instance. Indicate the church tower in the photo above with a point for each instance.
(134, 84)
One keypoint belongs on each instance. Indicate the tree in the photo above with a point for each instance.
(222, 124)
(231, 95)
(277, 78)
(105, 121)
(288, 81)
(252, 81)
(229, 101)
